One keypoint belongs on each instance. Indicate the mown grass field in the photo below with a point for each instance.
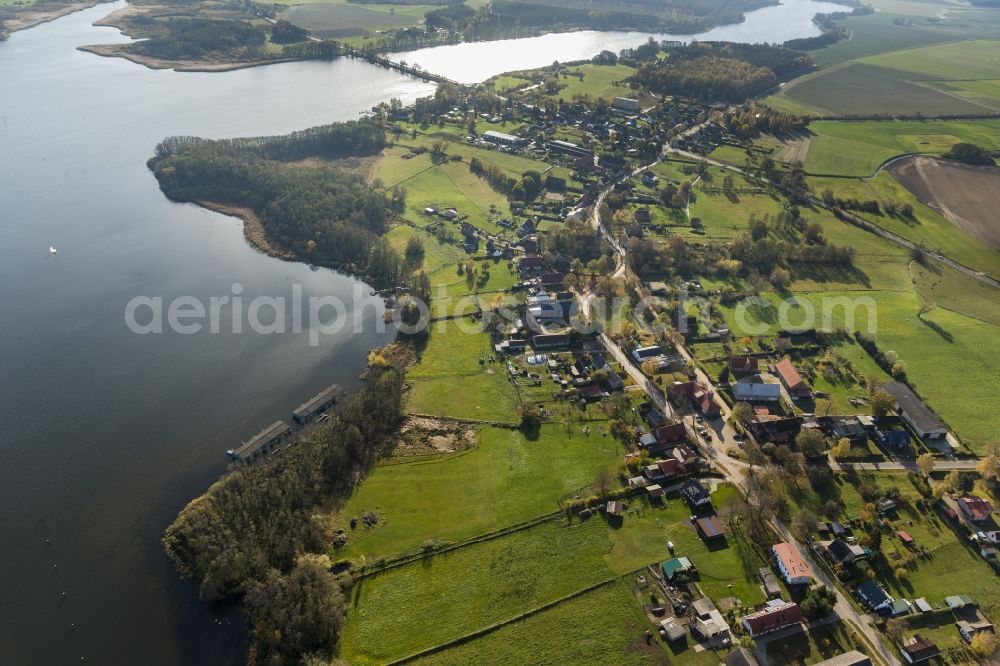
(603, 626)
(857, 148)
(866, 89)
(599, 81)
(505, 480)
(448, 380)
(876, 33)
(979, 59)
(450, 595)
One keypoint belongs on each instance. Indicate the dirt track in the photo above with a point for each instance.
(967, 196)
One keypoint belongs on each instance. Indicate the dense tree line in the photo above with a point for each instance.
(250, 531)
(750, 120)
(507, 17)
(778, 59)
(706, 78)
(192, 38)
(323, 214)
(283, 32)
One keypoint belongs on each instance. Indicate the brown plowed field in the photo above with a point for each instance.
(967, 196)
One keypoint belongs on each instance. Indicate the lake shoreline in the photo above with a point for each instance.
(253, 228)
(31, 18)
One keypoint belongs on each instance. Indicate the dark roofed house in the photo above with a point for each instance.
(850, 428)
(744, 364)
(741, 657)
(553, 279)
(529, 264)
(918, 649)
(841, 552)
(549, 341)
(696, 494)
(796, 386)
(776, 430)
(915, 412)
(893, 439)
(874, 597)
(711, 527)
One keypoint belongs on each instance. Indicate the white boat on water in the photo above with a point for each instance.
(52, 250)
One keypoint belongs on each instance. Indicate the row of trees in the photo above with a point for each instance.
(256, 531)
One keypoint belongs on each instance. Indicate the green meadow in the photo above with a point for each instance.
(449, 381)
(449, 595)
(846, 148)
(506, 479)
(603, 626)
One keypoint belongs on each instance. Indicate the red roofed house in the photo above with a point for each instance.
(671, 434)
(701, 398)
(905, 537)
(670, 468)
(683, 454)
(791, 566)
(776, 615)
(790, 377)
(975, 508)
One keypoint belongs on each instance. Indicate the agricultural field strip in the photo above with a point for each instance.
(511, 620)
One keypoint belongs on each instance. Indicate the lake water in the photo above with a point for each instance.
(474, 62)
(107, 434)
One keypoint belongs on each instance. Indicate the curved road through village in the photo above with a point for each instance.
(734, 470)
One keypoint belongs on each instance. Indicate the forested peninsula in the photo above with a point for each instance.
(259, 532)
(308, 208)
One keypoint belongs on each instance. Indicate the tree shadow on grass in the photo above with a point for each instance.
(934, 326)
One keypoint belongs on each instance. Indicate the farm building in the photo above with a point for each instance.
(501, 139)
(626, 104)
(567, 148)
(672, 630)
(756, 391)
(790, 564)
(852, 658)
(915, 412)
(770, 583)
(797, 387)
(711, 527)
